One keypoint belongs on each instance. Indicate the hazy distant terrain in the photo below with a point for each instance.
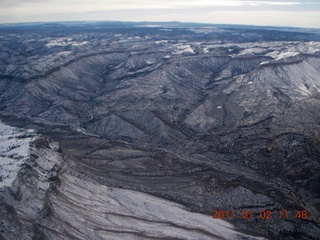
(141, 130)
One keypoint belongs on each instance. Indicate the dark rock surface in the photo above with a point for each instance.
(211, 118)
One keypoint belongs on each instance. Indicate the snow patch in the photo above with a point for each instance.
(250, 51)
(161, 41)
(149, 62)
(282, 55)
(14, 150)
(131, 212)
(62, 42)
(205, 50)
(183, 49)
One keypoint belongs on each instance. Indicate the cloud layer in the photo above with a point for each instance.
(260, 12)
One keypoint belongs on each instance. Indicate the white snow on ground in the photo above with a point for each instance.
(183, 49)
(64, 54)
(263, 63)
(206, 30)
(226, 73)
(149, 62)
(298, 79)
(280, 51)
(205, 50)
(282, 55)
(62, 42)
(79, 43)
(113, 213)
(161, 41)
(251, 51)
(14, 150)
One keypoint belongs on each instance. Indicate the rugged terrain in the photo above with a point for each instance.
(199, 117)
(40, 199)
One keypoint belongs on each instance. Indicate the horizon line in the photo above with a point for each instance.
(159, 22)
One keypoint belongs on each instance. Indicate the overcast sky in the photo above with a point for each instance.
(259, 12)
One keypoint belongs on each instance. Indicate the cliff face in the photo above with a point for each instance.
(218, 119)
(29, 169)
